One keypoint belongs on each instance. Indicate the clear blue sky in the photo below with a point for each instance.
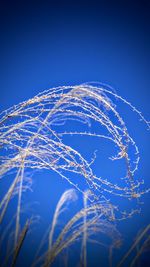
(46, 44)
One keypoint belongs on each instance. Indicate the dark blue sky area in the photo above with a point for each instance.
(50, 43)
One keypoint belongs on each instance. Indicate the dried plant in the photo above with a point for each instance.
(91, 219)
(33, 137)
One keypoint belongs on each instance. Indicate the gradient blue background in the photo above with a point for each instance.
(51, 43)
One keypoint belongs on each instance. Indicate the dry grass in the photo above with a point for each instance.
(92, 219)
(31, 138)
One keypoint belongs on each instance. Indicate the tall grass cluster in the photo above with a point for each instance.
(32, 137)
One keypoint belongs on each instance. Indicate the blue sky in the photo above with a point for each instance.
(51, 43)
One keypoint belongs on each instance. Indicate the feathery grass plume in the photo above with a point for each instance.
(31, 138)
(98, 220)
(66, 196)
(5, 201)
